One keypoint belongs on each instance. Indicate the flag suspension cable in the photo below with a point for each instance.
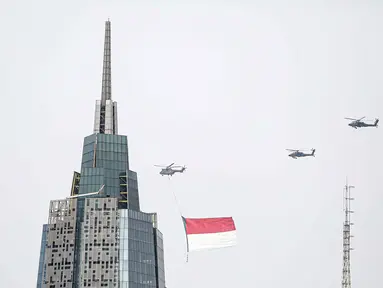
(175, 197)
(179, 211)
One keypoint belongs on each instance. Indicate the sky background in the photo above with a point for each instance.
(223, 87)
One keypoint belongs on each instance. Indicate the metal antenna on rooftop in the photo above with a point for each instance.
(106, 90)
(346, 277)
(105, 119)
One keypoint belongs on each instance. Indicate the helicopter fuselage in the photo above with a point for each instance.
(167, 172)
(298, 154)
(170, 171)
(360, 124)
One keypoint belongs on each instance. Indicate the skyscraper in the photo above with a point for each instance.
(102, 240)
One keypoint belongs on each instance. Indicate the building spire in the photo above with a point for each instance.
(105, 120)
(106, 92)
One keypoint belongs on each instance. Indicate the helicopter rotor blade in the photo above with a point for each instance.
(362, 118)
(351, 119)
(170, 165)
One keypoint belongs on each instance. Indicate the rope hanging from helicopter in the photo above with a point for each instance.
(175, 196)
(178, 209)
(169, 171)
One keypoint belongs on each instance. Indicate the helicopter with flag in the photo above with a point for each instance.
(203, 233)
(170, 170)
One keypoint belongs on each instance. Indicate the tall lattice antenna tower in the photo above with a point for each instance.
(346, 279)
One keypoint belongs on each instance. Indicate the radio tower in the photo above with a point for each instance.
(346, 279)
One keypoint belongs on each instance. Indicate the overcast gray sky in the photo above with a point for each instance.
(223, 87)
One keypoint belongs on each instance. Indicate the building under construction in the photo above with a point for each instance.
(102, 239)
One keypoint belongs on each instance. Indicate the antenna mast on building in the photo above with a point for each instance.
(346, 279)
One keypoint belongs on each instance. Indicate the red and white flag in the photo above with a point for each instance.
(210, 233)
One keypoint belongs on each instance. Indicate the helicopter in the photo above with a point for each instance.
(296, 153)
(169, 170)
(358, 123)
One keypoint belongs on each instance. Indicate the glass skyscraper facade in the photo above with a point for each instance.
(102, 239)
(140, 247)
(105, 161)
(41, 274)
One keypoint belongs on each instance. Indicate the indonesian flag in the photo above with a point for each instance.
(210, 233)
